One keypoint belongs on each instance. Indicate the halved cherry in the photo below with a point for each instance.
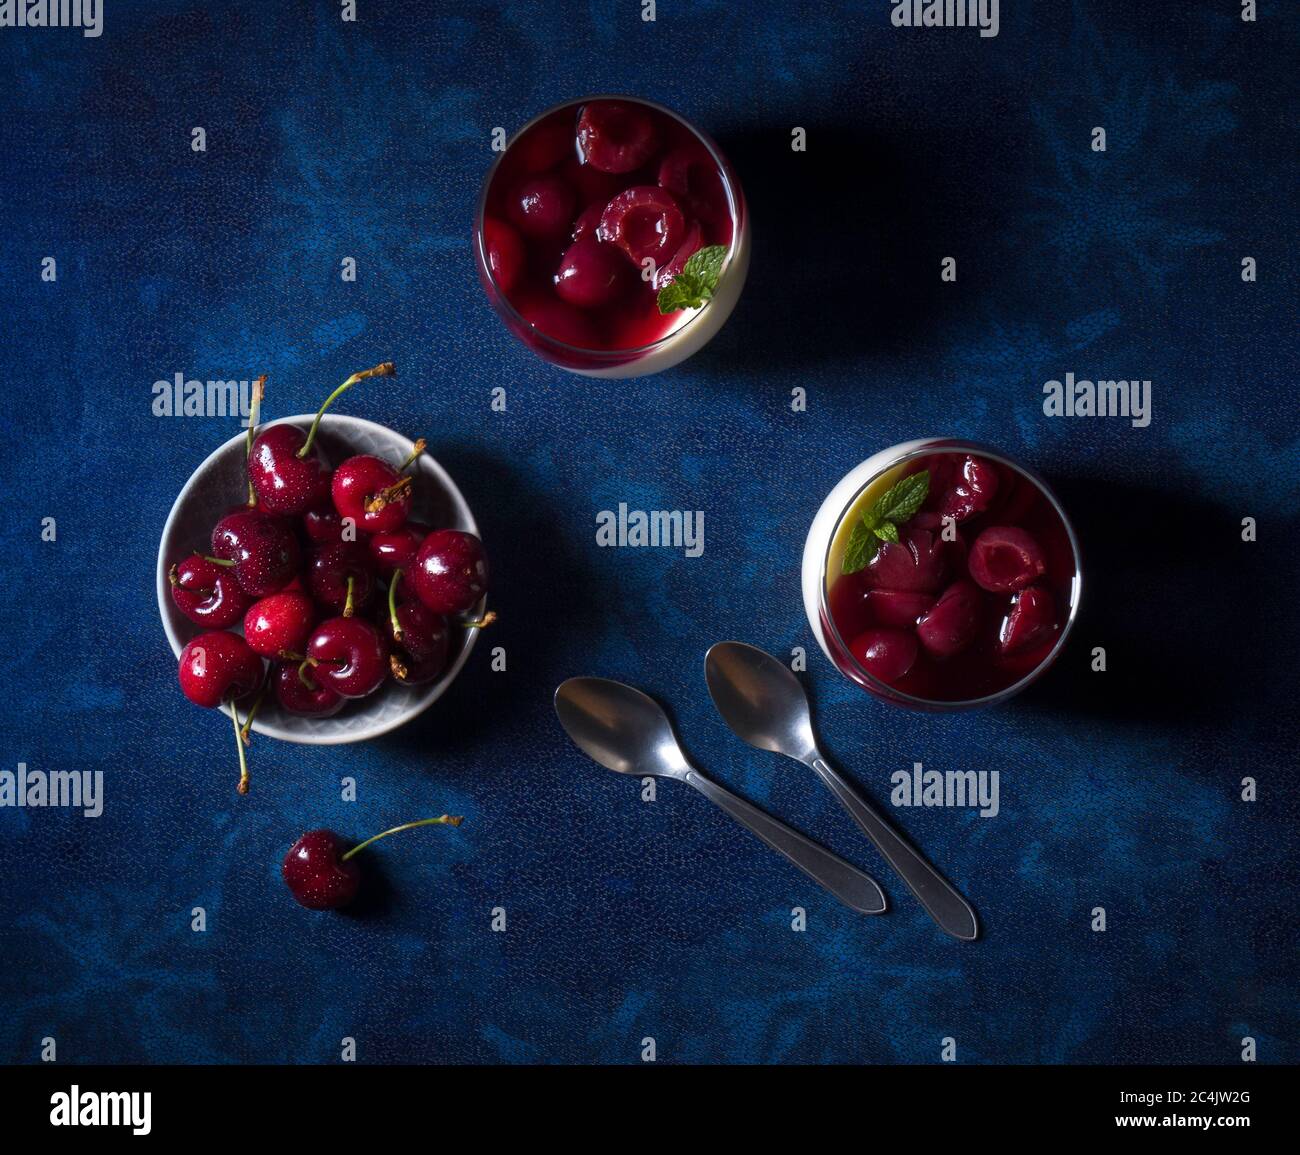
(1031, 618)
(973, 490)
(898, 608)
(505, 253)
(950, 625)
(644, 221)
(541, 206)
(616, 137)
(888, 654)
(1005, 558)
(592, 274)
(691, 245)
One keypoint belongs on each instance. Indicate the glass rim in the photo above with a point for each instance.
(884, 689)
(735, 202)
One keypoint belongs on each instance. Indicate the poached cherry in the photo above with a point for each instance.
(280, 622)
(207, 593)
(917, 562)
(888, 654)
(1032, 618)
(288, 471)
(320, 871)
(645, 222)
(299, 693)
(1005, 558)
(341, 577)
(349, 656)
(542, 206)
(950, 625)
(615, 137)
(592, 274)
(261, 550)
(505, 253)
(451, 571)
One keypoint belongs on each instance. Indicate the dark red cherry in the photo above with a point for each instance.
(848, 606)
(300, 692)
(544, 146)
(1005, 558)
(917, 562)
(318, 875)
(505, 253)
(561, 322)
(218, 667)
(323, 525)
(950, 625)
(645, 222)
(420, 641)
(372, 493)
(450, 575)
(207, 593)
(329, 571)
(1031, 619)
(542, 206)
(397, 550)
(689, 247)
(350, 657)
(973, 490)
(887, 654)
(262, 548)
(280, 622)
(694, 180)
(616, 137)
(898, 608)
(592, 274)
(286, 483)
(588, 220)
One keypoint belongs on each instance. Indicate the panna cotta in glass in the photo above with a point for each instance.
(941, 575)
(612, 237)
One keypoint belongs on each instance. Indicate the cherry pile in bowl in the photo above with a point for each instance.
(591, 212)
(973, 594)
(338, 593)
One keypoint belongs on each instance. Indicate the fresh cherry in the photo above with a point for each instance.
(219, 667)
(397, 550)
(341, 576)
(323, 525)
(279, 623)
(542, 206)
(898, 608)
(289, 473)
(505, 253)
(645, 222)
(1031, 618)
(592, 274)
(950, 625)
(374, 494)
(887, 654)
(299, 693)
(451, 571)
(419, 638)
(261, 549)
(349, 656)
(207, 593)
(320, 873)
(616, 137)
(1005, 558)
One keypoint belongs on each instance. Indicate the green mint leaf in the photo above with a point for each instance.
(887, 531)
(862, 547)
(697, 281)
(903, 500)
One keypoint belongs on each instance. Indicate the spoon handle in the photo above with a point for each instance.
(847, 883)
(932, 891)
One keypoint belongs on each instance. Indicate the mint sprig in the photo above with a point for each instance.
(896, 505)
(697, 281)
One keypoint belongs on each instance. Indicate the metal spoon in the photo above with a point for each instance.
(627, 732)
(765, 704)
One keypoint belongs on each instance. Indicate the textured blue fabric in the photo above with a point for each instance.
(628, 920)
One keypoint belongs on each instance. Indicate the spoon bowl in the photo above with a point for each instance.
(761, 700)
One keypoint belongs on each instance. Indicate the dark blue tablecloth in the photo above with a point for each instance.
(625, 920)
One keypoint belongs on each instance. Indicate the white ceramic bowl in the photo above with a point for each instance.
(221, 483)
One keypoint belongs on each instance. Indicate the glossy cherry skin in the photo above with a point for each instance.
(685, 251)
(207, 593)
(542, 206)
(263, 548)
(397, 550)
(973, 490)
(592, 274)
(316, 874)
(450, 574)
(328, 572)
(1005, 558)
(645, 222)
(888, 654)
(505, 253)
(324, 525)
(352, 657)
(1031, 619)
(218, 667)
(899, 609)
(357, 482)
(420, 655)
(616, 137)
(296, 698)
(950, 625)
(278, 623)
(284, 482)
(918, 562)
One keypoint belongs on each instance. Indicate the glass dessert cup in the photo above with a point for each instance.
(971, 605)
(572, 256)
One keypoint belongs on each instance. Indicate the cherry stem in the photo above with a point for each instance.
(252, 713)
(394, 492)
(239, 745)
(219, 560)
(392, 607)
(302, 674)
(347, 604)
(253, 407)
(445, 820)
(479, 623)
(203, 591)
(416, 450)
(384, 370)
